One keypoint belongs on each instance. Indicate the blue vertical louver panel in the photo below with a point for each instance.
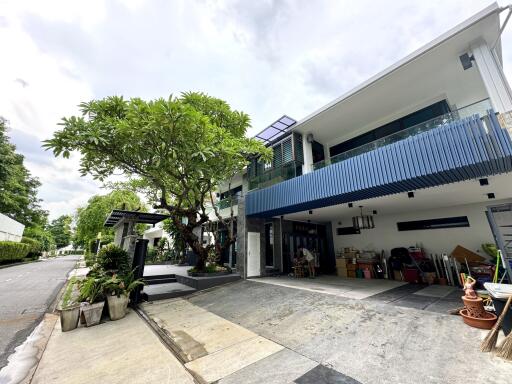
(462, 150)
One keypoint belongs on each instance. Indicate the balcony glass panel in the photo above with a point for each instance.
(479, 108)
(287, 171)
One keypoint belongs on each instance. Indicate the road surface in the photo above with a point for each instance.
(26, 292)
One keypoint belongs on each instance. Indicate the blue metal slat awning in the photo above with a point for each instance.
(461, 150)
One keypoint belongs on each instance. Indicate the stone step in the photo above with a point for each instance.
(163, 280)
(166, 291)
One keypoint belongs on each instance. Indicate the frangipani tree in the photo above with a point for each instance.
(177, 150)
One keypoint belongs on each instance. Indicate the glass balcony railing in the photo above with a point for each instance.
(226, 202)
(276, 175)
(481, 107)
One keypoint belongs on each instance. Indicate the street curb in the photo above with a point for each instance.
(20, 263)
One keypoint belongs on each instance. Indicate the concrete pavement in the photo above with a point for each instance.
(26, 292)
(318, 338)
(114, 352)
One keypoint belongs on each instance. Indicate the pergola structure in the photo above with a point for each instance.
(139, 217)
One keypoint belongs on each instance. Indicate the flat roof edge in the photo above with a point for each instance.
(489, 10)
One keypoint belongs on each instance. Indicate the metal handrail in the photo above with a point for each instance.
(480, 107)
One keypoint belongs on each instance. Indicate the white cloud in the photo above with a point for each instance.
(267, 58)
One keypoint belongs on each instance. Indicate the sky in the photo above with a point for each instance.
(267, 58)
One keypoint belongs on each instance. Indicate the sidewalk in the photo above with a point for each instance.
(114, 352)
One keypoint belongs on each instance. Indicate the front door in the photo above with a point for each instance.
(253, 254)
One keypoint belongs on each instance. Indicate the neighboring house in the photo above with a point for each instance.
(10, 230)
(423, 147)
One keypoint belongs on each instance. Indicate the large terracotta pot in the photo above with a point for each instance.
(474, 307)
(486, 322)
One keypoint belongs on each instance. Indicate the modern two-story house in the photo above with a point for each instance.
(413, 156)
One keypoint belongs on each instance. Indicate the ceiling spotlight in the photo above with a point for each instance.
(484, 181)
(374, 211)
(310, 212)
(410, 195)
(350, 205)
(491, 196)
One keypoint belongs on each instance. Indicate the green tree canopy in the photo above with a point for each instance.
(90, 219)
(60, 228)
(178, 150)
(18, 189)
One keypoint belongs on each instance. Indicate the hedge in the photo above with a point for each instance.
(11, 251)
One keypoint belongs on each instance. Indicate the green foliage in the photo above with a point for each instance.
(113, 258)
(67, 299)
(121, 284)
(11, 251)
(90, 219)
(176, 150)
(35, 247)
(18, 189)
(91, 289)
(60, 229)
(491, 250)
(44, 237)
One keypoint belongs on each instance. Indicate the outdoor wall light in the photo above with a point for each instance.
(363, 221)
(466, 60)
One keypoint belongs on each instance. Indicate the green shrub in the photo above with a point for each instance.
(113, 258)
(11, 251)
(35, 247)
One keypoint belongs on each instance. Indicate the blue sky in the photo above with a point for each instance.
(267, 58)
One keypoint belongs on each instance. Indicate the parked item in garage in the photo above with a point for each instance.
(490, 340)
(461, 253)
(474, 313)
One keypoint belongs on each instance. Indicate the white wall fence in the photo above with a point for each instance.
(10, 230)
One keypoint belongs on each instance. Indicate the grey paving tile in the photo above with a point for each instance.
(324, 375)
(415, 301)
(282, 367)
(444, 305)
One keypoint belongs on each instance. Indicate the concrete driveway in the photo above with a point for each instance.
(249, 332)
(26, 292)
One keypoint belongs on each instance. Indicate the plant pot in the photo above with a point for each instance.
(69, 318)
(486, 322)
(474, 307)
(117, 306)
(91, 313)
(442, 281)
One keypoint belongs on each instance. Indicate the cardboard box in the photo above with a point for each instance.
(351, 273)
(342, 272)
(351, 267)
(341, 262)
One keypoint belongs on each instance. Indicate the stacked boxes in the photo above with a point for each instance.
(341, 267)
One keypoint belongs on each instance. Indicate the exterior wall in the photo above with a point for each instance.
(386, 236)
(10, 230)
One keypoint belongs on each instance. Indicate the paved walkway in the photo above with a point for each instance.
(249, 332)
(26, 291)
(435, 298)
(114, 352)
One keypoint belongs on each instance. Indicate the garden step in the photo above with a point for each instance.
(166, 291)
(163, 280)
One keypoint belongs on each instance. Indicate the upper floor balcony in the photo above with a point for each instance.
(450, 149)
(478, 108)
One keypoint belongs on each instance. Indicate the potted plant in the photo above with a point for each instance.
(117, 289)
(69, 308)
(93, 300)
